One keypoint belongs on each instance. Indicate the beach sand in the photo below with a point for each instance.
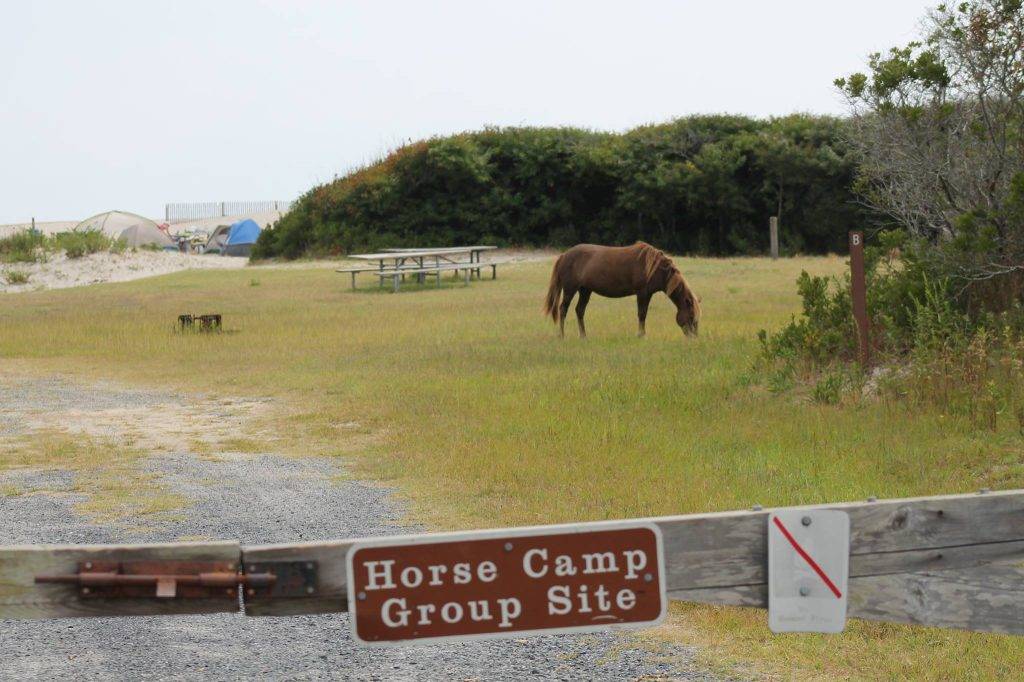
(60, 272)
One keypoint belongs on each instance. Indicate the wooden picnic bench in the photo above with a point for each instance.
(397, 263)
(371, 268)
(396, 274)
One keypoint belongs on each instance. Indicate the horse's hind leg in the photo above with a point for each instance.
(563, 310)
(642, 302)
(581, 310)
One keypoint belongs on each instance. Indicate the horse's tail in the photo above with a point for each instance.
(552, 300)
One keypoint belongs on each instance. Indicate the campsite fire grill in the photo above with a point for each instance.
(207, 323)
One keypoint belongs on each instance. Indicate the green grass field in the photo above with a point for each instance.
(467, 401)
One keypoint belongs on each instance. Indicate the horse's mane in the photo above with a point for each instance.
(655, 260)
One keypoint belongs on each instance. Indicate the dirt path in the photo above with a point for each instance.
(255, 498)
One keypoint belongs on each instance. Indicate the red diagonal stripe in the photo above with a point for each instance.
(807, 557)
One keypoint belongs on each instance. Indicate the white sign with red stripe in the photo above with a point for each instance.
(808, 565)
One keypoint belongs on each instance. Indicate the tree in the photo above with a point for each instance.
(692, 184)
(939, 129)
(714, 193)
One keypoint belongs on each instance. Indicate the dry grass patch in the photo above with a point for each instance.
(241, 445)
(737, 642)
(10, 490)
(110, 476)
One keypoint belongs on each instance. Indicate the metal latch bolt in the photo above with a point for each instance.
(162, 579)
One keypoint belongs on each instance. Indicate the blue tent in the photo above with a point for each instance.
(241, 237)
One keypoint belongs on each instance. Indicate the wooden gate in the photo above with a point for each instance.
(950, 561)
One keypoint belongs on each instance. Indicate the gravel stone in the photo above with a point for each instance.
(260, 498)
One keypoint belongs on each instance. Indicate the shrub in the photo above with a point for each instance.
(699, 184)
(782, 378)
(829, 388)
(16, 277)
(23, 247)
(77, 244)
(951, 355)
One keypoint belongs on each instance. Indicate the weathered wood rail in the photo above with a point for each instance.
(951, 561)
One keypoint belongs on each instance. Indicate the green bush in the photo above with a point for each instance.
(33, 246)
(941, 347)
(829, 388)
(914, 301)
(703, 184)
(16, 277)
(77, 244)
(824, 331)
(23, 247)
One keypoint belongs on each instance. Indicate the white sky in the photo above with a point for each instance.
(134, 104)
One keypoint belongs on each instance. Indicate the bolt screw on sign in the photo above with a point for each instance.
(858, 291)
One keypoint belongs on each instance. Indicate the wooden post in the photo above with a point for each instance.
(858, 291)
(773, 229)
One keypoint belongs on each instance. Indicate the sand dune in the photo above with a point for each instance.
(60, 272)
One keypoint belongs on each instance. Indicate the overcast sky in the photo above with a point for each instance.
(134, 104)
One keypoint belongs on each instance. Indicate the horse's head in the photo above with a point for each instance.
(687, 304)
(662, 274)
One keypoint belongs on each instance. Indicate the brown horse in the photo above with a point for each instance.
(617, 271)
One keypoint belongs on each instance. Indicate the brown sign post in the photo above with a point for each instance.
(858, 291)
(506, 583)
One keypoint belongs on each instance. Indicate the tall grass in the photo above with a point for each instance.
(78, 244)
(16, 277)
(22, 247)
(465, 399)
(31, 246)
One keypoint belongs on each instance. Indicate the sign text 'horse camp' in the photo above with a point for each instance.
(506, 582)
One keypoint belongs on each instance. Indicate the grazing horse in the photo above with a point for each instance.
(617, 271)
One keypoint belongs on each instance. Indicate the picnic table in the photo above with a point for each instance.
(397, 263)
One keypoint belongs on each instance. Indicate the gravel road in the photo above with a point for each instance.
(255, 498)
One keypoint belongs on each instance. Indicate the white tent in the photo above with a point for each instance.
(145, 235)
(134, 229)
(113, 223)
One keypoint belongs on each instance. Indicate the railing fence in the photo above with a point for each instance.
(198, 210)
(953, 561)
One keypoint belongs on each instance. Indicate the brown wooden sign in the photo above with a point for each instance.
(506, 582)
(858, 292)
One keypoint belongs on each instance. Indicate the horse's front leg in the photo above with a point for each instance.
(642, 302)
(581, 310)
